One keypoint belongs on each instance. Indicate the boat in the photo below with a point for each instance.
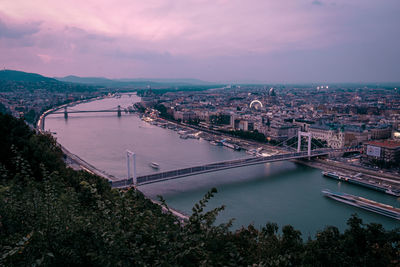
(184, 136)
(391, 192)
(193, 136)
(251, 152)
(364, 203)
(216, 143)
(356, 179)
(154, 165)
(230, 145)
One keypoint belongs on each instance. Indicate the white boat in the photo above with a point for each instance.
(184, 136)
(154, 165)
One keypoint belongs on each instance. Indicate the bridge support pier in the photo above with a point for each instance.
(130, 155)
(119, 111)
(65, 113)
(308, 135)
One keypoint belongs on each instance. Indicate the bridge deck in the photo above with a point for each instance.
(174, 174)
(84, 111)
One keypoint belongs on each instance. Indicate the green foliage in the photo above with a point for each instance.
(249, 135)
(30, 116)
(163, 111)
(51, 215)
(3, 109)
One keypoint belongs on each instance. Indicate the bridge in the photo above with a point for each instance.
(66, 111)
(211, 167)
(223, 165)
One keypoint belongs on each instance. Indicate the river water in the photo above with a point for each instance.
(281, 192)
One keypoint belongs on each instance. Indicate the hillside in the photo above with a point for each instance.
(20, 76)
(12, 80)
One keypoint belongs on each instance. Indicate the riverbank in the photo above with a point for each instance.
(252, 147)
(72, 160)
(77, 163)
(41, 121)
(322, 164)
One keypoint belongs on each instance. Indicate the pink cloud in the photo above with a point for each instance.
(131, 37)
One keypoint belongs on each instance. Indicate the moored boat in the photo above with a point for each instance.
(364, 203)
(356, 179)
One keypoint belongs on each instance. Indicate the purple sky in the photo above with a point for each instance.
(216, 40)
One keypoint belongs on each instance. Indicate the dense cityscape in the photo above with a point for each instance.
(337, 116)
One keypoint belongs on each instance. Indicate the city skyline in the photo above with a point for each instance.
(278, 42)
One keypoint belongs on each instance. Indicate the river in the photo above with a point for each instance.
(281, 192)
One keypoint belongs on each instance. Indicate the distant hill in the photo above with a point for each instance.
(20, 76)
(13, 80)
(85, 80)
(134, 82)
(169, 81)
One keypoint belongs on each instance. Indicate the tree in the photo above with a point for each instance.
(51, 215)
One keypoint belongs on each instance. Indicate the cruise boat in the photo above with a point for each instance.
(364, 203)
(230, 145)
(154, 165)
(356, 179)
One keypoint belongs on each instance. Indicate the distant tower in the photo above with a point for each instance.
(65, 113)
(272, 92)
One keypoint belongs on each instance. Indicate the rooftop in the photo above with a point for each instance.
(386, 143)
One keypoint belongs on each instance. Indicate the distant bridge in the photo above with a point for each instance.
(212, 167)
(66, 111)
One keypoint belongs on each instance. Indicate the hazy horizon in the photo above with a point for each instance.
(301, 41)
(232, 82)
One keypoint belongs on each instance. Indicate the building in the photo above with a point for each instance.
(339, 136)
(280, 132)
(334, 138)
(382, 152)
(303, 124)
(184, 115)
(381, 132)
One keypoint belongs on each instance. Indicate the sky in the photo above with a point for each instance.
(279, 41)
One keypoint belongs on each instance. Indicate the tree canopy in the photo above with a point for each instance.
(51, 215)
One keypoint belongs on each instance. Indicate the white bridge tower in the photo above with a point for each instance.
(299, 142)
(129, 155)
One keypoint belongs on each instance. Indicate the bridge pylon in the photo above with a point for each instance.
(119, 111)
(65, 113)
(308, 135)
(129, 155)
